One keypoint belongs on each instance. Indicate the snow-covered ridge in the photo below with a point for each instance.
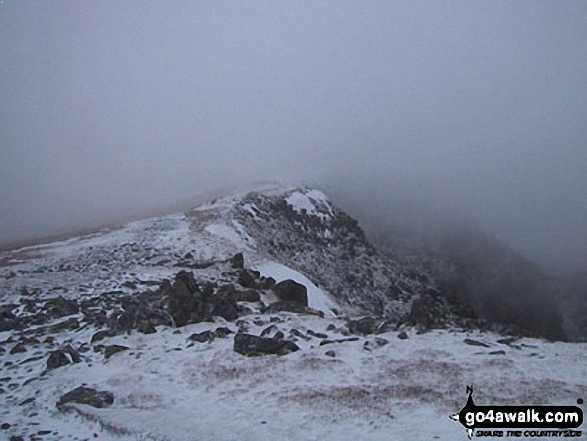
(121, 312)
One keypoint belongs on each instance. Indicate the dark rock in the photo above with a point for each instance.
(299, 334)
(291, 291)
(364, 326)
(27, 401)
(89, 396)
(61, 307)
(16, 438)
(75, 357)
(222, 332)
(251, 345)
(330, 327)
(100, 335)
(110, 350)
(330, 354)
(340, 340)
(237, 261)
(62, 357)
(202, 337)
(268, 330)
(182, 298)
(8, 321)
(500, 352)
(266, 283)
(279, 335)
(247, 296)
(145, 327)
(224, 305)
(426, 311)
(69, 324)
(507, 341)
(402, 335)
(247, 279)
(18, 348)
(5, 426)
(316, 334)
(475, 343)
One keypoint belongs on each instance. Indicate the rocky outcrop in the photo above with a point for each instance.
(251, 345)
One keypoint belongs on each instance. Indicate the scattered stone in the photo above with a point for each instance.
(268, 330)
(251, 345)
(5, 426)
(507, 341)
(86, 395)
(291, 291)
(222, 332)
(27, 401)
(110, 350)
(316, 334)
(330, 327)
(330, 354)
(57, 359)
(202, 337)
(340, 340)
(18, 348)
(500, 352)
(100, 335)
(475, 343)
(402, 335)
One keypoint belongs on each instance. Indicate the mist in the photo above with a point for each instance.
(110, 111)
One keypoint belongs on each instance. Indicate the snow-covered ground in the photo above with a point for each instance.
(168, 387)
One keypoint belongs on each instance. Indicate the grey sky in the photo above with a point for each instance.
(110, 109)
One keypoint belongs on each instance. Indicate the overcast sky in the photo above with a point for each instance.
(110, 109)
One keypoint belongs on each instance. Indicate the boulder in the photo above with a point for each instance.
(62, 357)
(237, 261)
(57, 359)
(224, 305)
(202, 337)
(248, 278)
(251, 345)
(86, 395)
(110, 350)
(291, 291)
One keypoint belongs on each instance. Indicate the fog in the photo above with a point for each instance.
(111, 110)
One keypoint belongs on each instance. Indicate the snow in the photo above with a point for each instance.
(310, 201)
(317, 298)
(234, 234)
(167, 388)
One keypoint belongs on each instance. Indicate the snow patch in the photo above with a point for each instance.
(235, 234)
(317, 298)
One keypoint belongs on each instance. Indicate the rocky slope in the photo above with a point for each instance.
(241, 306)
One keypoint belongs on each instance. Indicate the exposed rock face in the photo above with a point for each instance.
(251, 345)
(86, 395)
(291, 291)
